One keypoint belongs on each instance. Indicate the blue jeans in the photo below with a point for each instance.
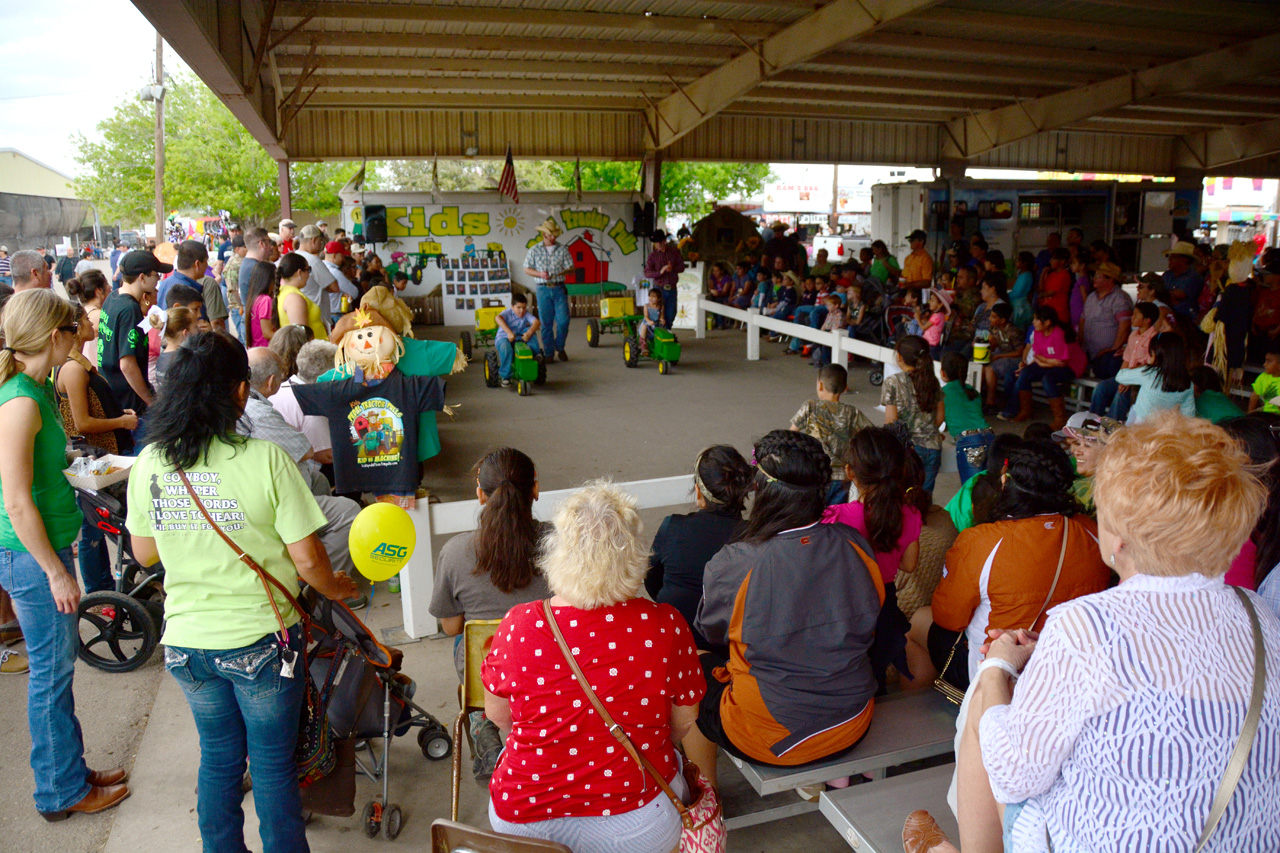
(95, 562)
(971, 453)
(244, 708)
(1107, 401)
(1027, 379)
(507, 352)
(1106, 366)
(932, 460)
(553, 311)
(808, 315)
(670, 305)
(6, 280)
(237, 322)
(53, 638)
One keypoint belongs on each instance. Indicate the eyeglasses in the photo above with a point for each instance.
(72, 329)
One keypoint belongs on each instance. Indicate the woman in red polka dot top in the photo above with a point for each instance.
(562, 772)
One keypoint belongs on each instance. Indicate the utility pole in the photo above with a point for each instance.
(835, 198)
(160, 233)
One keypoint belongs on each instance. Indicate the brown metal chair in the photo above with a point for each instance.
(450, 837)
(477, 637)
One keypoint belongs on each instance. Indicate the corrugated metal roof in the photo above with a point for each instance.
(581, 74)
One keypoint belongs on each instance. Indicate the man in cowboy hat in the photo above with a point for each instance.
(1106, 322)
(548, 262)
(1182, 281)
(663, 268)
(784, 246)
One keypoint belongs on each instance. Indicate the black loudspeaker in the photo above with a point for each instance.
(375, 223)
(643, 218)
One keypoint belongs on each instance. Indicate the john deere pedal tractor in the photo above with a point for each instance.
(617, 316)
(527, 369)
(486, 328)
(663, 348)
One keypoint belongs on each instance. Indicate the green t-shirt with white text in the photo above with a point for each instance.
(256, 494)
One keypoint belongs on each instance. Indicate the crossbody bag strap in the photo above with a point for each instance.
(614, 729)
(262, 573)
(1053, 587)
(1240, 755)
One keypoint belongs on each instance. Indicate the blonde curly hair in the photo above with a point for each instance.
(593, 557)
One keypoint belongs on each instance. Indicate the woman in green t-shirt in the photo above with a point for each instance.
(39, 519)
(223, 643)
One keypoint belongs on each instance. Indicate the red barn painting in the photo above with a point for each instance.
(590, 262)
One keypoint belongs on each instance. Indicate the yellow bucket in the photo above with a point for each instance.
(981, 352)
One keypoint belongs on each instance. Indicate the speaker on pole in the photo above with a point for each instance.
(643, 216)
(375, 223)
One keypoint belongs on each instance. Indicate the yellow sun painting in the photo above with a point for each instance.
(510, 221)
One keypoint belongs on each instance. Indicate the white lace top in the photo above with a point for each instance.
(1123, 721)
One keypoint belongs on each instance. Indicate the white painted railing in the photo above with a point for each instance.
(434, 521)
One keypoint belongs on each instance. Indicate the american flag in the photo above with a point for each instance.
(507, 182)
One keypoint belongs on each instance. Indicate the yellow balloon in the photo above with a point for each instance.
(382, 540)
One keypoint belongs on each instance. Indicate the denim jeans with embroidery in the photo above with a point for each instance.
(244, 708)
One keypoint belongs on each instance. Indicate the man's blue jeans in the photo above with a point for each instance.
(244, 708)
(1107, 400)
(95, 562)
(932, 460)
(57, 746)
(553, 312)
(507, 352)
(237, 322)
(808, 315)
(670, 305)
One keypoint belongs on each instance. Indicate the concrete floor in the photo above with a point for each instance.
(593, 418)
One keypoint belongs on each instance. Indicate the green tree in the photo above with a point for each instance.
(461, 175)
(211, 163)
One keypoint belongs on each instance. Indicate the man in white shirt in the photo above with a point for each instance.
(334, 253)
(321, 281)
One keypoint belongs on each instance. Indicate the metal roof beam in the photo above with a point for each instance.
(920, 47)
(981, 72)
(904, 85)
(462, 100)
(366, 84)
(813, 34)
(969, 20)
(436, 65)
(972, 135)
(1242, 11)
(489, 45)
(1224, 146)
(527, 18)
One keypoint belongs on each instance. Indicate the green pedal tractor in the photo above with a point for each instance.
(617, 316)
(663, 348)
(486, 328)
(527, 369)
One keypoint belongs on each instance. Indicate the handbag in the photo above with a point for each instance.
(954, 694)
(314, 752)
(703, 819)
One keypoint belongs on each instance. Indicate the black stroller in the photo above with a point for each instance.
(120, 628)
(367, 698)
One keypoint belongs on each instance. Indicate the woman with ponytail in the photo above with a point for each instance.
(794, 687)
(39, 519)
(483, 574)
(90, 290)
(915, 398)
(229, 643)
(685, 543)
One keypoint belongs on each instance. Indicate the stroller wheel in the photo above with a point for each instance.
(435, 744)
(371, 819)
(876, 376)
(391, 822)
(117, 633)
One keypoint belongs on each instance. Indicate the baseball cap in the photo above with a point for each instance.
(322, 225)
(287, 223)
(309, 232)
(917, 235)
(334, 247)
(137, 262)
(4, 248)
(1074, 423)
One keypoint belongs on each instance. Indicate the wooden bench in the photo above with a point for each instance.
(870, 817)
(904, 727)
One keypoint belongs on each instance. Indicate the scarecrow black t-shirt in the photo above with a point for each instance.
(374, 428)
(118, 337)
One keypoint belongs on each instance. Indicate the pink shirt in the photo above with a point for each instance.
(933, 334)
(1137, 350)
(854, 515)
(1052, 345)
(1242, 569)
(263, 309)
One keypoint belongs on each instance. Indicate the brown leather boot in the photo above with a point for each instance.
(1058, 406)
(107, 778)
(97, 800)
(1024, 407)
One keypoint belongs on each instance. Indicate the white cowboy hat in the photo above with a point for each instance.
(1182, 247)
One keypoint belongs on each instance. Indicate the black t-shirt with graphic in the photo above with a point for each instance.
(374, 429)
(119, 336)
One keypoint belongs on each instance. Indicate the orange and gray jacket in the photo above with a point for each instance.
(798, 614)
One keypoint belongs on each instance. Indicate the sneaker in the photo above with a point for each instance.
(562, 355)
(487, 746)
(810, 793)
(506, 383)
(12, 663)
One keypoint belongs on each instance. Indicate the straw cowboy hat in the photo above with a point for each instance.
(1182, 247)
(550, 228)
(779, 226)
(1110, 270)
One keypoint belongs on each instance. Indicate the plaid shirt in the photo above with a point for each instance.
(261, 420)
(554, 260)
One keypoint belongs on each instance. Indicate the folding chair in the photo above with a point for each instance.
(450, 837)
(477, 637)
